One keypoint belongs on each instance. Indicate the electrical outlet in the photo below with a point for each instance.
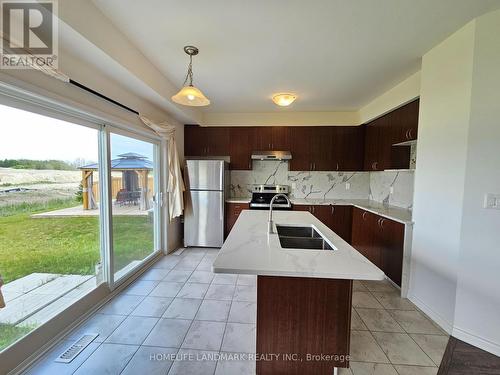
(391, 190)
(347, 185)
(492, 201)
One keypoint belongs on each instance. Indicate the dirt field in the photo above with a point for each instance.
(41, 185)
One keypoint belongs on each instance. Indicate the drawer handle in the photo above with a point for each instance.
(364, 215)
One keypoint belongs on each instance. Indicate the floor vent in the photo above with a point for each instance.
(76, 348)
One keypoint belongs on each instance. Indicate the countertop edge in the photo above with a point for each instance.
(302, 202)
(295, 274)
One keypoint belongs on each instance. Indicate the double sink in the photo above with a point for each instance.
(299, 237)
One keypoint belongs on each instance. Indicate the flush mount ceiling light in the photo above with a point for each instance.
(189, 94)
(284, 99)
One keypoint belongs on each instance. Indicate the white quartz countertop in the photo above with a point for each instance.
(238, 200)
(249, 249)
(398, 214)
(401, 215)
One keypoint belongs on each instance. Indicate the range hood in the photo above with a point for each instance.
(271, 155)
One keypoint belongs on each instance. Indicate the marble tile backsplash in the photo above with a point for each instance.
(327, 185)
(402, 188)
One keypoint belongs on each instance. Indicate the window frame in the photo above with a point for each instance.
(20, 354)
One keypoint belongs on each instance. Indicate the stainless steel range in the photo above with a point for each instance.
(262, 195)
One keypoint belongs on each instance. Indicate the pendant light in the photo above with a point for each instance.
(190, 95)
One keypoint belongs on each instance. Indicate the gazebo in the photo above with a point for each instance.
(134, 182)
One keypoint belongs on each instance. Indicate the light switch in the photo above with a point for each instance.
(347, 185)
(492, 201)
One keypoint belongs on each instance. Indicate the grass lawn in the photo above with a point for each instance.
(65, 245)
(10, 333)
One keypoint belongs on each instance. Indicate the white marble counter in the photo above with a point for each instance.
(238, 200)
(249, 249)
(398, 214)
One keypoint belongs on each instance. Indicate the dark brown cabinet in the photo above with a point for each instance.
(392, 243)
(314, 148)
(337, 218)
(203, 141)
(380, 240)
(240, 148)
(364, 234)
(326, 148)
(383, 133)
(300, 147)
(405, 122)
(347, 148)
(271, 138)
(233, 210)
(341, 221)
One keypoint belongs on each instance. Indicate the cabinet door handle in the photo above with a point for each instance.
(374, 165)
(333, 209)
(364, 215)
(408, 134)
(310, 166)
(270, 146)
(314, 166)
(337, 166)
(381, 223)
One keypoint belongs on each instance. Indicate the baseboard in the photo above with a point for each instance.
(479, 342)
(427, 310)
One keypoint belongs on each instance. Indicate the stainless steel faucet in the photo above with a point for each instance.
(270, 222)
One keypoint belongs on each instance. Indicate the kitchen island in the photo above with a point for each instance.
(304, 296)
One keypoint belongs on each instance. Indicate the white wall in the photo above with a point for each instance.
(477, 311)
(400, 94)
(445, 91)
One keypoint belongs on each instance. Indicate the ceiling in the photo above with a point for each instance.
(337, 55)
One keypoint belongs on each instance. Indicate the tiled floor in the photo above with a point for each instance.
(178, 316)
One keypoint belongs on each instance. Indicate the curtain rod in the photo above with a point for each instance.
(83, 87)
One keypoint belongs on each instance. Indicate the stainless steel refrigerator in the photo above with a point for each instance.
(207, 183)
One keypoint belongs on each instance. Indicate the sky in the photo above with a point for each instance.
(27, 135)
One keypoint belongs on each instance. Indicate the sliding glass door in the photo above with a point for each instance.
(49, 218)
(134, 203)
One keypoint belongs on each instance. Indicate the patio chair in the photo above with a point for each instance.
(121, 197)
(135, 196)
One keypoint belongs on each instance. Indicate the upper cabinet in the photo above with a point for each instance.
(347, 148)
(240, 147)
(405, 122)
(384, 132)
(204, 141)
(326, 148)
(369, 147)
(271, 138)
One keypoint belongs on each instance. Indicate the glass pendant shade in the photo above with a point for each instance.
(190, 95)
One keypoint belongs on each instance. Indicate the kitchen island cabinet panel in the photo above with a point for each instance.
(303, 316)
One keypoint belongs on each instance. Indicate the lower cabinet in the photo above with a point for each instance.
(233, 210)
(380, 240)
(337, 218)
